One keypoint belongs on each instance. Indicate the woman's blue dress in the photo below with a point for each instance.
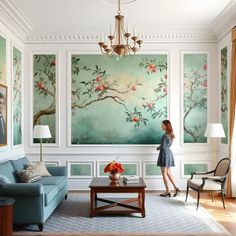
(165, 157)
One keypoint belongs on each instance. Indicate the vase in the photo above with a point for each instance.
(114, 177)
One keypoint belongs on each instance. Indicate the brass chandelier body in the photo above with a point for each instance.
(119, 41)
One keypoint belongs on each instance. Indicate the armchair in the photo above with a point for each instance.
(210, 183)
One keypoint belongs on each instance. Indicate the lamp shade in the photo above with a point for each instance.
(41, 131)
(214, 130)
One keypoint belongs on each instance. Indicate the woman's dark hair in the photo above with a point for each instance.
(169, 129)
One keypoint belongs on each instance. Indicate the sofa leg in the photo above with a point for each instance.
(40, 227)
(66, 197)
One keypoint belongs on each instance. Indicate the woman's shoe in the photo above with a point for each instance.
(176, 192)
(165, 195)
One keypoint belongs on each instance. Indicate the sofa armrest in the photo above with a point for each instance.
(28, 189)
(57, 170)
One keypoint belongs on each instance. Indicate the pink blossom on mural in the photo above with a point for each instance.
(98, 79)
(165, 76)
(99, 88)
(164, 90)
(135, 119)
(205, 66)
(205, 84)
(151, 68)
(53, 63)
(40, 85)
(133, 87)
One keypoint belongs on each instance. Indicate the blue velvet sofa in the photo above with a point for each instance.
(34, 202)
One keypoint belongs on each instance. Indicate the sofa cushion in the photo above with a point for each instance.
(28, 175)
(4, 180)
(40, 168)
(20, 164)
(50, 191)
(7, 170)
(59, 181)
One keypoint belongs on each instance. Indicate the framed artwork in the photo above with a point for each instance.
(81, 169)
(3, 62)
(17, 96)
(117, 101)
(224, 93)
(3, 115)
(195, 78)
(44, 93)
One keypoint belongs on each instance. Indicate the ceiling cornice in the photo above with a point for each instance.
(163, 37)
(15, 19)
(225, 21)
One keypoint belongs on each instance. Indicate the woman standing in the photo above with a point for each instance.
(166, 158)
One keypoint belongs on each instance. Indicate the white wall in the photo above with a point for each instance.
(140, 154)
(10, 151)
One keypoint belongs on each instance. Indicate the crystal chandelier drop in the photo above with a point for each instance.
(119, 41)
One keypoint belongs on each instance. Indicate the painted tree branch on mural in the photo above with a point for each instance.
(45, 83)
(152, 66)
(194, 82)
(17, 99)
(114, 93)
(100, 88)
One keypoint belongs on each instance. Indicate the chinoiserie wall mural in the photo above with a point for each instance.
(118, 101)
(2, 60)
(44, 104)
(195, 97)
(17, 96)
(224, 94)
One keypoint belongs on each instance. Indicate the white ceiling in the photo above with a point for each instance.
(92, 16)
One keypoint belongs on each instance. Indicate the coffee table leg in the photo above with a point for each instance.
(91, 202)
(143, 204)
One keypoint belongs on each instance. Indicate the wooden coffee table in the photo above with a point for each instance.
(122, 205)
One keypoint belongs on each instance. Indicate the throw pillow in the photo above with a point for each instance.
(4, 180)
(40, 168)
(28, 175)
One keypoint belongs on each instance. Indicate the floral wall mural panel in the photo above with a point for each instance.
(2, 60)
(44, 105)
(17, 97)
(195, 97)
(224, 93)
(121, 102)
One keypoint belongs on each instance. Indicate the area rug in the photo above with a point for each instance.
(164, 216)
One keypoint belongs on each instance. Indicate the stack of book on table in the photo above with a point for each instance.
(131, 179)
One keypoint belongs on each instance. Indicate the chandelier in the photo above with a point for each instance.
(121, 42)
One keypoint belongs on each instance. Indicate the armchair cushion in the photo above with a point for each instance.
(209, 184)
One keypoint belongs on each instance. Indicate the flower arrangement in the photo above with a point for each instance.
(114, 167)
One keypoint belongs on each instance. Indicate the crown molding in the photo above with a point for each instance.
(225, 21)
(164, 37)
(15, 19)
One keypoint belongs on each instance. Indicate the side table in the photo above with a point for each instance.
(6, 216)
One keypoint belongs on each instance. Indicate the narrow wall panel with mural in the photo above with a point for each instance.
(195, 85)
(44, 93)
(118, 101)
(224, 93)
(3, 56)
(17, 96)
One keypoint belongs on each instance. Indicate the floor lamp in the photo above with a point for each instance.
(41, 131)
(214, 130)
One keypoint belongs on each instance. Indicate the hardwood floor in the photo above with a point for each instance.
(226, 217)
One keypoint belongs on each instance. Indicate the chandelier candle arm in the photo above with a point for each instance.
(118, 42)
